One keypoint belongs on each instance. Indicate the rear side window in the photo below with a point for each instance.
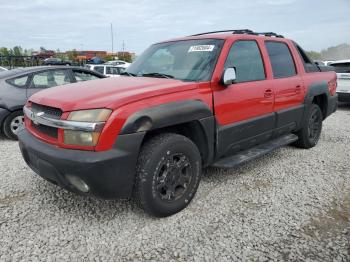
(18, 81)
(309, 65)
(281, 59)
(50, 78)
(245, 57)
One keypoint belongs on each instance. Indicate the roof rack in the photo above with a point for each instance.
(242, 31)
(270, 34)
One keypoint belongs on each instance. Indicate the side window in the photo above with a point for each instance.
(18, 81)
(81, 76)
(245, 57)
(309, 65)
(99, 69)
(50, 78)
(281, 59)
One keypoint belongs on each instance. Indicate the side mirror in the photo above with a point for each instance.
(229, 76)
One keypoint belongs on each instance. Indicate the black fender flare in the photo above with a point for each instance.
(321, 88)
(165, 115)
(315, 89)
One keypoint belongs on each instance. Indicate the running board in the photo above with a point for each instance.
(255, 152)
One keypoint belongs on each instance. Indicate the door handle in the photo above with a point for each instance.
(268, 93)
(298, 89)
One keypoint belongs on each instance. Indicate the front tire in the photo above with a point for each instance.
(310, 133)
(168, 174)
(13, 124)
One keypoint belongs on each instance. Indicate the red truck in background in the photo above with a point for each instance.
(211, 99)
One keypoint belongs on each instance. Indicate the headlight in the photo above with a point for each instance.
(94, 115)
(83, 138)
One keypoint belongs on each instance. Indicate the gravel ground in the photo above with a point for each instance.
(292, 204)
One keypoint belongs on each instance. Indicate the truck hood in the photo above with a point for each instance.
(108, 93)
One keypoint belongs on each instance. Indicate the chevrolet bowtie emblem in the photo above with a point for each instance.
(35, 115)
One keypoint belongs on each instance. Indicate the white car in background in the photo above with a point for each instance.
(342, 68)
(107, 70)
(118, 63)
(328, 62)
(2, 69)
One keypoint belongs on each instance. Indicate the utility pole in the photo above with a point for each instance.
(123, 50)
(112, 37)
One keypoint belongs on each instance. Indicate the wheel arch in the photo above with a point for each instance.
(191, 118)
(318, 93)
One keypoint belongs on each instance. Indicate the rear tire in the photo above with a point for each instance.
(168, 174)
(12, 124)
(310, 133)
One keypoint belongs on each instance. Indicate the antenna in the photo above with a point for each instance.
(123, 50)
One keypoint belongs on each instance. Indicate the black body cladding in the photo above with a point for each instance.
(166, 115)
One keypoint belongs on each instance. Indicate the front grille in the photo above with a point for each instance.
(46, 130)
(49, 111)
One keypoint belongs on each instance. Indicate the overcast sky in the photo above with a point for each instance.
(68, 24)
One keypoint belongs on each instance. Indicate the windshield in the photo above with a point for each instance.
(188, 60)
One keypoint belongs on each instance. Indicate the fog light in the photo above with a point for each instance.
(78, 183)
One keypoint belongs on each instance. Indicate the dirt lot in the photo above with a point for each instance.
(292, 204)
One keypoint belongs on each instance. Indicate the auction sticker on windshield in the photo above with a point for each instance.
(201, 48)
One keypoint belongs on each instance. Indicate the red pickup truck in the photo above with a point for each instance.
(212, 99)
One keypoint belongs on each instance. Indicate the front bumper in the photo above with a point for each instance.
(109, 174)
(3, 114)
(343, 97)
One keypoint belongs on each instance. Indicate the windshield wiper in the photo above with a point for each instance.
(127, 74)
(158, 75)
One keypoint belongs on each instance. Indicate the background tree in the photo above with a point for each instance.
(17, 51)
(4, 51)
(125, 56)
(72, 55)
(314, 55)
(338, 52)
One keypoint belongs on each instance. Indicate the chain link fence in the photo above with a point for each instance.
(12, 61)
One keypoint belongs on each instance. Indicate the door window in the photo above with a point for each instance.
(281, 59)
(50, 78)
(245, 57)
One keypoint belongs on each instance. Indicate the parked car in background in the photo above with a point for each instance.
(2, 69)
(328, 62)
(56, 61)
(107, 70)
(342, 68)
(96, 60)
(118, 63)
(17, 85)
